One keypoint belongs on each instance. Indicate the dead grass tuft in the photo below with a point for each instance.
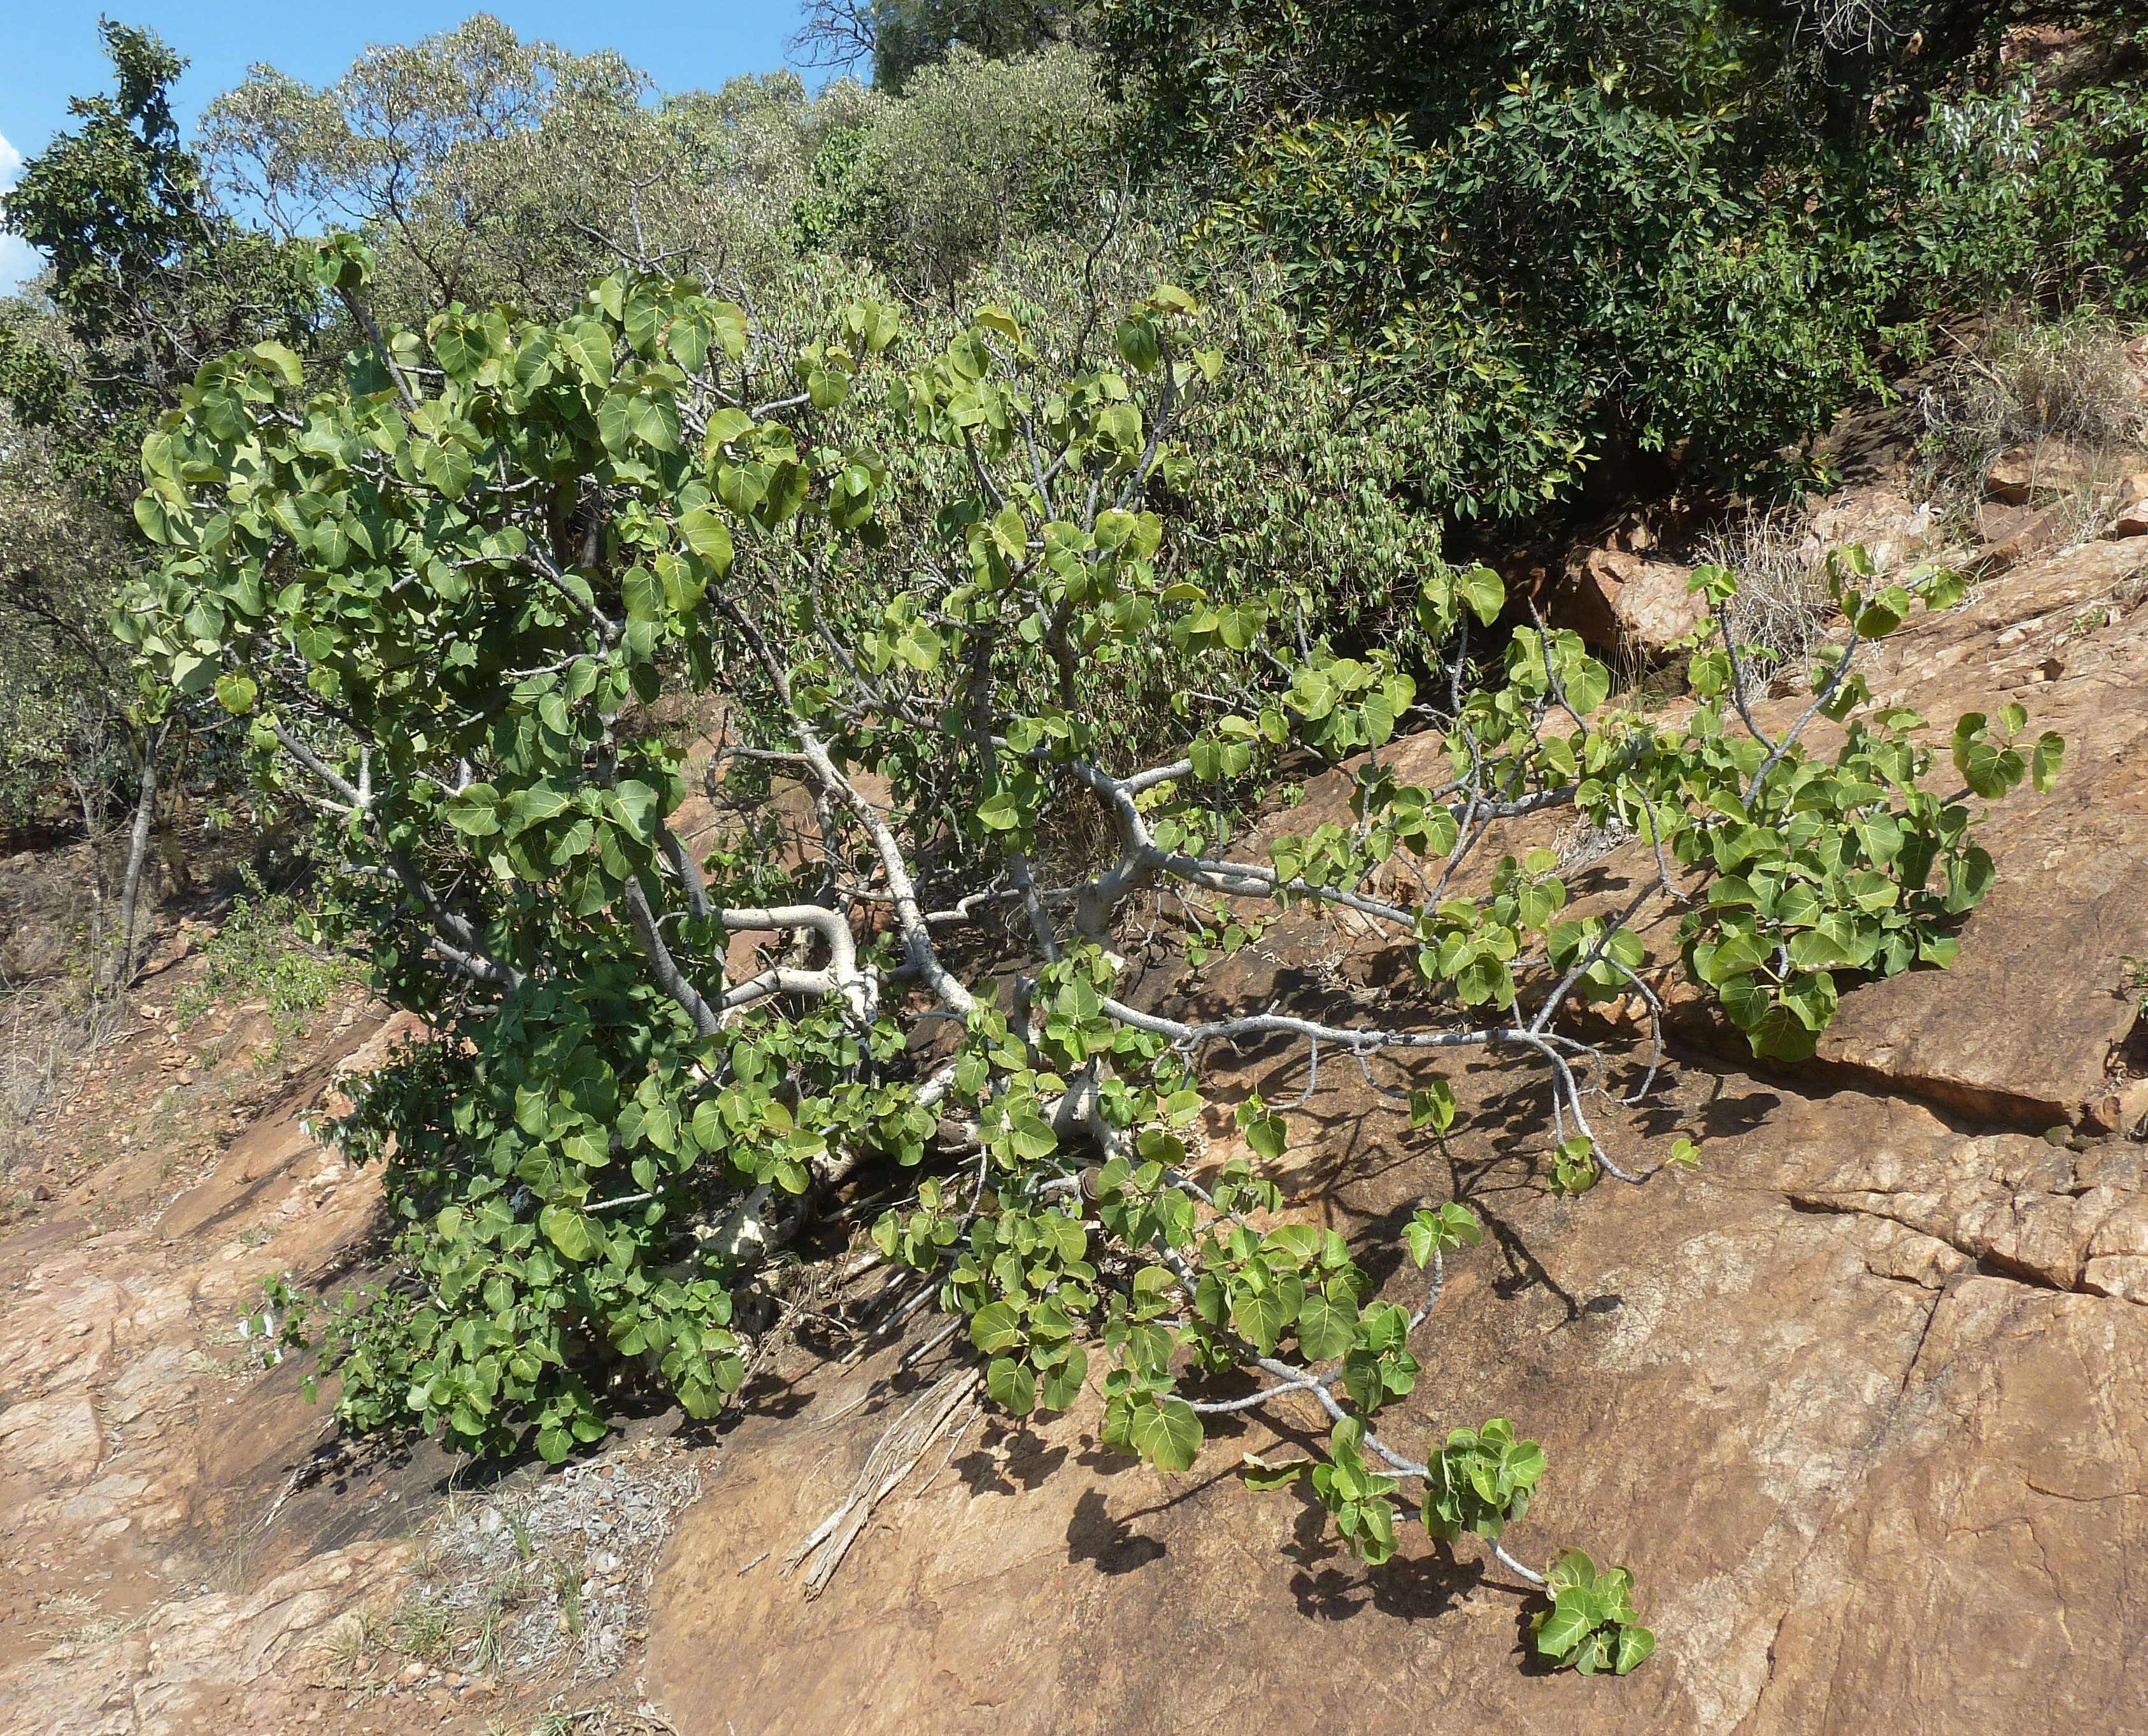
(2069, 392)
(1782, 608)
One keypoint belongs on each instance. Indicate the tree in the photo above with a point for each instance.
(63, 678)
(976, 156)
(148, 281)
(900, 37)
(483, 166)
(454, 593)
(1650, 237)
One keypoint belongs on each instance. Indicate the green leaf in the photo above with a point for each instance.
(1432, 1106)
(1061, 1384)
(1483, 591)
(2043, 763)
(708, 537)
(727, 322)
(1167, 1434)
(635, 803)
(1325, 1328)
(652, 417)
(282, 359)
(236, 693)
(475, 811)
(1566, 1626)
(1011, 1385)
(1261, 1316)
(568, 1230)
(726, 426)
(996, 1326)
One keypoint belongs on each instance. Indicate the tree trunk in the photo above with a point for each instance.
(170, 830)
(137, 853)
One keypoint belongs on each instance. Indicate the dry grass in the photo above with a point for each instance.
(2067, 390)
(44, 1029)
(2030, 380)
(76, 1618)
(1782, 608)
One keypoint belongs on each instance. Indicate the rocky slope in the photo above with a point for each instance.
(1859, 1400)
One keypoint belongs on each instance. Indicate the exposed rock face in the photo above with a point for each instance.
(143, 1590)
(1834, 1450)
(214, 1661)
(1626, 602)
(1859, 1402)
(2026, 1023)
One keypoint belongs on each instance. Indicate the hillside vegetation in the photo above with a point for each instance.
(793, 629)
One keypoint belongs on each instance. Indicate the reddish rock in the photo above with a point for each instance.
(2039, 472)
(2130, 519)
(1623, 603)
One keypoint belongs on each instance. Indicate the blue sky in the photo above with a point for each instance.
(52, 51)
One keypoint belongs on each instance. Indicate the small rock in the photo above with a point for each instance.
(2047, 469)
(1619, 601)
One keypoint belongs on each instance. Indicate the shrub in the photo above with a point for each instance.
(490, 573)
(976, 154)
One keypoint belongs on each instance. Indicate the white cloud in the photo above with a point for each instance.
(18, 259)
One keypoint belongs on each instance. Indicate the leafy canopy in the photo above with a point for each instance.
(452, 592)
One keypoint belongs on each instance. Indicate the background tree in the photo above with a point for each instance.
(977, 156)
(483, 166)
(898, 38)
(148, 281)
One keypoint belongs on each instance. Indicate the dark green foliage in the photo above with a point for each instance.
(116, 205)
(1566, 231)
(899, 37)
(148, 279)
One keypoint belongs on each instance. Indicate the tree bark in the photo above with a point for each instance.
(137, 853)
